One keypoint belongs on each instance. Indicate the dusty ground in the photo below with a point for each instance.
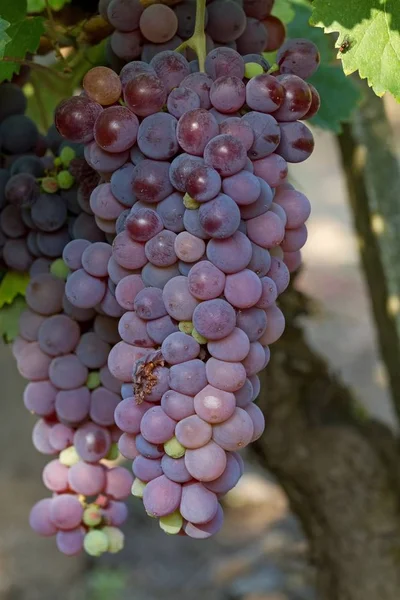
(260, 554)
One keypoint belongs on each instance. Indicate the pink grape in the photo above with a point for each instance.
(214, 319)
(149, 450)
(156, 426)
(179, 347)
(192, 432)
(214, 405)
(269, 293)
(128, 253)
(127, 289)
(258, 419)
(205, 281)
(70, 542)
(243, 187)
(177, 406)
(236, 432)
(115, 513)
(279, 273)
(55, 476)
(178, 300)
(267, 230)
(133, 330)
(118, 483)
(147, 469)
(87, 479)
(228, 479)
(127, 446)
(175, 469)
(233, 348)
(294, 239)
(243, 289)
(188, 247)
(230, 255)
(227, 376)
(198, 504)
(254, 361)
(253, 321)
(161, 496)
(128, 415)
(275, 325)
(40, 397)
(206, 463)
(92, 442)
(296, 206)
(66, 511)
(39, 518)
(73, 405)
(202, 531)
(121, 358)
(244, 395)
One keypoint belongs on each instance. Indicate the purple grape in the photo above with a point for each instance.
(206, 463)
(157, 136)
(161, 496)
(198, 504)
(39, 518)
(220, 217)
(236, 432)
(92, 442)
(156, 426)
(147, 469)
(195, 130)
(253, 321)
(224, 62)
(86, 479)
(200, 83)
(177, 406)
(73, 406)
(230, 255)
(55, 476)
(188, 378)
(178, 300)
(232, 348)
(175, 469)
(66, 511)
(148, 450)
(179, 347)
(193, 432)
(214, 319)
(67, 372)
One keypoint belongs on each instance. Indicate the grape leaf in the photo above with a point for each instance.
(24, 33)
(9, 318)
(12, 285)
(283, 10)
(36, 6)
(4, 37)
(339, 94)
(339, 97)
(372, 30)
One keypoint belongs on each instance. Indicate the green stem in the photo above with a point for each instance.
(198, 40)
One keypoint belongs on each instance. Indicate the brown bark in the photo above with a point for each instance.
(339, 468)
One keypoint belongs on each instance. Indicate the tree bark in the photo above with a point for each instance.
(339, 468)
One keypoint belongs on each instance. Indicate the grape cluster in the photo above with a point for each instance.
(44, 198)
(194, 169)
(63, 350)
(142, 31)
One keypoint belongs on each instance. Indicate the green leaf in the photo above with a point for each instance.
(9, 318)
(24, 33)
(36, 6)
(283, 10)
(373, 31)
(13, 284)
(339, 95)
(47, 88)
(4, 37)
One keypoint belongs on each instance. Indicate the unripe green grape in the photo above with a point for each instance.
(95, 542)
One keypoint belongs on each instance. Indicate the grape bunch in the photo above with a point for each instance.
(142, 31)
(44, 198)
(207, 229)
(63, 351)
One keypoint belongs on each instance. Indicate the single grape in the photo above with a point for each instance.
(157, 137)
(298, 57)
(67, 372)
(195, 129)
(145, 94)
(75, 118)
(102, 85)
(158, 23)
(225, 154)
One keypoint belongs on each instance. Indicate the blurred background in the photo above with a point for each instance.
(261, 552)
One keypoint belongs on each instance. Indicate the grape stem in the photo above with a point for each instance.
(198, 40)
